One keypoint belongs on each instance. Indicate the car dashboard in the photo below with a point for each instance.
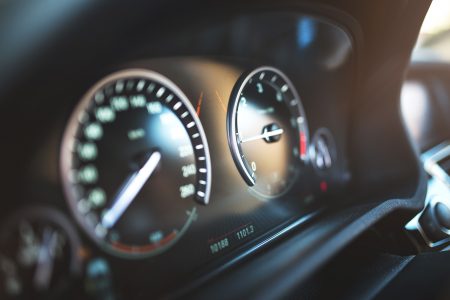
(227, 150)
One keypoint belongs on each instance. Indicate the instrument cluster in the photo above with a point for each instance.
(175, 166)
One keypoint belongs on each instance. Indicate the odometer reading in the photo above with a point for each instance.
(134, 159)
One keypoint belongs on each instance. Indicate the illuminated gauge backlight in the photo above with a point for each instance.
(134, 162)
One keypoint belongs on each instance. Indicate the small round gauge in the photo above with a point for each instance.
(267, 131)
(39, 254)
(323, 150)
(134, 160)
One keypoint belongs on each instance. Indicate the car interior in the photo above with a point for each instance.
(290, 149)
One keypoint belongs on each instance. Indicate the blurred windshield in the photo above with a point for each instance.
(434, 40)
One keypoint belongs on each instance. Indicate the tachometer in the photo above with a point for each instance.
(267, 131)
(134, 159)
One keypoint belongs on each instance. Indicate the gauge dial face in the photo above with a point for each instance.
(134, 159)
(39, 254)
(267, 131)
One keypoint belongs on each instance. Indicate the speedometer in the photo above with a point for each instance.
(267, 131)
(134, 162)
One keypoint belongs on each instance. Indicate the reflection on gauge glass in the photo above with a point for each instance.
(134, 162)
(323, 150)
(39, 254)
(267, 131)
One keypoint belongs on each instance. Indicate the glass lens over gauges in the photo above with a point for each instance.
(134, 159)
(267, 131)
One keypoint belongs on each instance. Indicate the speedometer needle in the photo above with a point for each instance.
(129, 191)
(264, 135)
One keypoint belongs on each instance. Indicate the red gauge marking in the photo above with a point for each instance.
(144, 249)
(302, 145)
(199, 104)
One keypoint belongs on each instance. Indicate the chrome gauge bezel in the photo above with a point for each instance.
(68, 146)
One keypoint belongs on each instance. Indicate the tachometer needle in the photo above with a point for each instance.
(44, 267)
(264, 135)
(130, 189)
